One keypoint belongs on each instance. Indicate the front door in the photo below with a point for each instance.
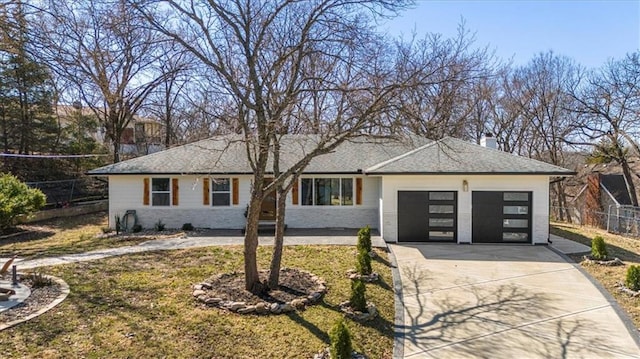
(268, 209)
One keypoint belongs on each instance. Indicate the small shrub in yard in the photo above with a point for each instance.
(633, 278)
(364, 239)
(363, 262)
(598, 248)
(118, 220)
(159, 226)
(340, 341)
(358, 300)
(187, 227)
(39, 280)
(106, 230)
(136, 228)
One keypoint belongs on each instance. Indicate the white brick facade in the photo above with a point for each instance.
(126, 193)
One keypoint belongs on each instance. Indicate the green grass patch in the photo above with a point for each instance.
(63, 236)
(140, 306)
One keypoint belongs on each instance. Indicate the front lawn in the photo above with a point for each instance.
(627, 249)
(62, 236)
(140, 306)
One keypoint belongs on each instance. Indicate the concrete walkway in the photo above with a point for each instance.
(504, 301)
(220, 238)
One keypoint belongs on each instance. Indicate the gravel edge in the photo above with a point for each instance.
(64, 292)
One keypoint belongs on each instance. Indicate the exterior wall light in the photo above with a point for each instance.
(465, 186)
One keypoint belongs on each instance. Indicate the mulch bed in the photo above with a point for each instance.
(293, 284)
(39, 298)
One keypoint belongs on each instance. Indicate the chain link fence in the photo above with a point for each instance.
(624, 220)
(65, 193)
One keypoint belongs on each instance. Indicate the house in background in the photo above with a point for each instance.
(411, 190)
(602, 194)
(142, 136)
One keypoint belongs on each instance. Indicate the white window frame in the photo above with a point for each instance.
(169, 192)
(313, 192)
(212, 193)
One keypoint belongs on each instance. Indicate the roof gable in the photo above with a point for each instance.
(453, 156)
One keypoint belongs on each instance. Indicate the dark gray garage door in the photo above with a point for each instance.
(499, 217)
(427, 216)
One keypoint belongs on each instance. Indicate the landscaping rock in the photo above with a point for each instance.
(605, 262)
(212, 301)
(275, 308)
(208, 293)
(247, 310)
(371, 313)
(206, 285)
(234, 306)
(262, 308)
(623, 288)
(325, 354)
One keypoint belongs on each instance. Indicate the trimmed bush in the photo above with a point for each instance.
(136, 228)
(17, 199)
(159, 226)
(358, 300)
(633, 278)
(340, 341)
(187, 227)
(363, 262)
(364, 239)
(106, 229)
(598, 248)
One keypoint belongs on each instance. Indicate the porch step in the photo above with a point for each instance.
(266, 228)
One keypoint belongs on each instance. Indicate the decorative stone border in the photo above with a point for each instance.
(64, 292)
(371, 313)
(262, 308)
(608, 262)
(623, 288)
(369, 278)
(325, 354)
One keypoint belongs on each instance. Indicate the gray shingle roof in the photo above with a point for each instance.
(454, 156)
(411, 155)
(227, 155)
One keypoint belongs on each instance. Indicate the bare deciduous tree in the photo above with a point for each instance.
(608, 105)
(107, 52)
(261, 54)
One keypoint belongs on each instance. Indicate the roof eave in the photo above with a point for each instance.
(550, 173)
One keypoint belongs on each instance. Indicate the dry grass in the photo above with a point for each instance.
(62, 236)
(140, 306)
(627, 249)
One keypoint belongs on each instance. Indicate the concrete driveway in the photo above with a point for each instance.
(503, 301)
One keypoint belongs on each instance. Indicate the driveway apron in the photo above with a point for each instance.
(504, 301)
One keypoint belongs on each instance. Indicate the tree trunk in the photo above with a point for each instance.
(276, 259)
(252, 279)
(626, 171)
(116, 149)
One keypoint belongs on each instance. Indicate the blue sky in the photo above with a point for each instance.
(590, 32)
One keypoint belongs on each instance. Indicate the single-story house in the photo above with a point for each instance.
(414, 190)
